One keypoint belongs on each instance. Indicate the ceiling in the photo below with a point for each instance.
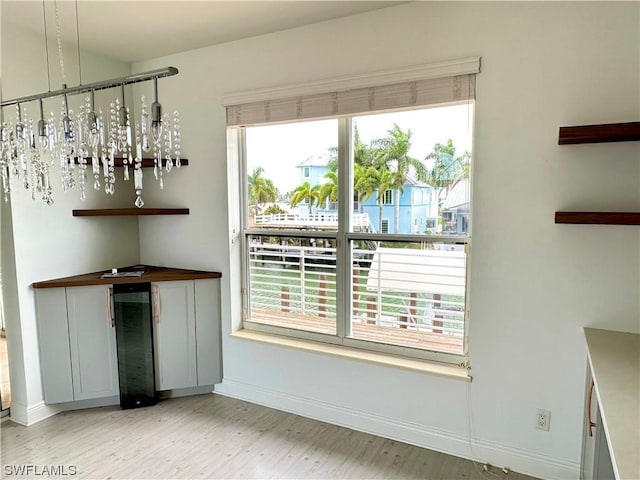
(137, 30)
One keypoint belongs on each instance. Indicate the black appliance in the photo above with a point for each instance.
(134, 334)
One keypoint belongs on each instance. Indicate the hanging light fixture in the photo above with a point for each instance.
(72, 139)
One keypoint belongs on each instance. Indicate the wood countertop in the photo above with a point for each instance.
(151, 274)
(614, 358)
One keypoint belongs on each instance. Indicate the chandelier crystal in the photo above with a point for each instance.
(76, 140)
(73, 140)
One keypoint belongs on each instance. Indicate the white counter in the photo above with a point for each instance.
(615, 365)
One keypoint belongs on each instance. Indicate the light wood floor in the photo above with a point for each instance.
(210, 436)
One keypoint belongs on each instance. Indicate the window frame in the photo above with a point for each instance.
(344, 237)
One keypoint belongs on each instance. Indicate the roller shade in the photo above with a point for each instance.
(339, 100)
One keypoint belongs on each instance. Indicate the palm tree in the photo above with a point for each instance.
(363, 154)
(261, 190)
(393, 151)
(305, 193)
(384, 180)
(364, 183)
(447, 168)
(328, 191)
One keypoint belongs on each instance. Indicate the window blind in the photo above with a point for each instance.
(442, 90)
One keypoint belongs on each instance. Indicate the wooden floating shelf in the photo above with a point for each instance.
(610, 132)
(146, 162)
(598, 218)
(133, 211)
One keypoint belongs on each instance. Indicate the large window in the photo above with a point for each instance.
(356, 227)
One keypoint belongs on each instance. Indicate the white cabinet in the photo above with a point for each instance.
(77, 341)
(174, 333)
(92, 337)
(187, 333)
(596, 459)
(208, 335)
(55, 351)
(78, 348)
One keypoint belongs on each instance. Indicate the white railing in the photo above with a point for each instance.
(293, 279)
(417, 290)
(309, 219)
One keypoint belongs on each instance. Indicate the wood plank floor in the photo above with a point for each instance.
(211, 436)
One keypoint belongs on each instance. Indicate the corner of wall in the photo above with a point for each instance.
(10, 303)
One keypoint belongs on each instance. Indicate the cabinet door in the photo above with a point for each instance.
(53, 341)
(174, 333)
(94, 362)
(208, 338)
(603, 468)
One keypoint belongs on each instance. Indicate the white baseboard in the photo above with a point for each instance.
(519, 460)
(184, 392)
(26, 416)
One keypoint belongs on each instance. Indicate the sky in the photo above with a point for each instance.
(279, 148)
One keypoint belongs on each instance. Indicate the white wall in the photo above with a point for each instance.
(534, 284)
(47, 242)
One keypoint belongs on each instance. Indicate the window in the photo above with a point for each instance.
(359, 272)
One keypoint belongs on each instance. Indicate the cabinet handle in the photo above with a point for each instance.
(109, 301)
(155, 307)
(591, 423)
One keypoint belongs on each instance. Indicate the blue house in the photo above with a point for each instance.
(418, 210)
(418, 203)
(313, 169)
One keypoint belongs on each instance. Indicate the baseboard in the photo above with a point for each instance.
(26, 416)
(90, 403)
(519, 460)
(185, 392)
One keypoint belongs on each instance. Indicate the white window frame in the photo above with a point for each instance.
(344, 281)
(343, 237)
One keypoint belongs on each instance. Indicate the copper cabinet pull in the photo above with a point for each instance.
(109, 300)
(591, 423)
(155, 308)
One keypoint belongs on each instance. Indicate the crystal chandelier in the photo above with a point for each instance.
(74, 141)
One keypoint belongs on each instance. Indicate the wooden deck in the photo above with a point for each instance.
(440, 342)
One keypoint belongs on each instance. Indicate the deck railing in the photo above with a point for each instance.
(308, 220)
(402, 290)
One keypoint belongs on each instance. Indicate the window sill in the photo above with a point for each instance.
(423, 366)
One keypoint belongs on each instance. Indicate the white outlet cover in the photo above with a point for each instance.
(543, 419)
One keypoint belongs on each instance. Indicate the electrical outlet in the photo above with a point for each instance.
(543, 419)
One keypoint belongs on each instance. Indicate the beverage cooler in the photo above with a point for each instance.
(134, 333)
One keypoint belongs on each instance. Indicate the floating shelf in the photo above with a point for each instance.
(598, 218)
(146, 162)
(112, 212)
(610, 132)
